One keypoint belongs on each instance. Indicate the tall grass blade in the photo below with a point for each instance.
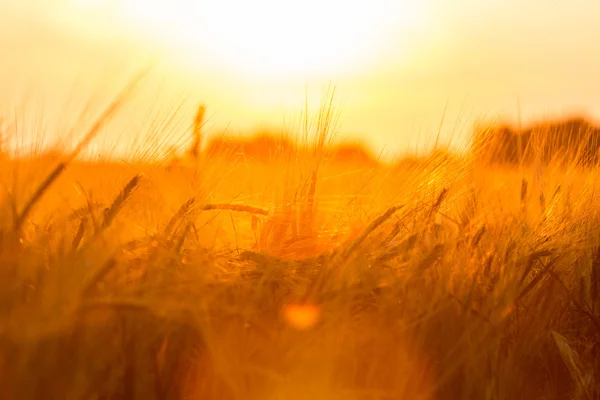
(101, 121)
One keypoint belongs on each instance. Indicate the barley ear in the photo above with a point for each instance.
(182, 212)
(372, 226)
(111, 212)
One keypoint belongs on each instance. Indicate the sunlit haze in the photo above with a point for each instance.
(399, 66)
(299, 199)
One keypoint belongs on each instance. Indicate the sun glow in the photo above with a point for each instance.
(274, 37)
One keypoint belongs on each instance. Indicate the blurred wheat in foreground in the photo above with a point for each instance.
(299, 277)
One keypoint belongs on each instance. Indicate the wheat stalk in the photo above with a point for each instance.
(235, 207)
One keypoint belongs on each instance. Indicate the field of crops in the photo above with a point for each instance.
(299, 277)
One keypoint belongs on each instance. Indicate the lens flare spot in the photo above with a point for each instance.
(302, 316)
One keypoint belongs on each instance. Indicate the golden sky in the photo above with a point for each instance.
(396, 64)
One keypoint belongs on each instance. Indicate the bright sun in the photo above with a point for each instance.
(274, 37)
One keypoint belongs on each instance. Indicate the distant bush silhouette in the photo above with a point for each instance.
(262, 147)
(269, 146)
(573, 140)
(352, 153)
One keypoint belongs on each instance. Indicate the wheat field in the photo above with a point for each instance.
(298, 278)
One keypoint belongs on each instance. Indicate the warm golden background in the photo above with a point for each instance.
(281, 267)
(396, 64)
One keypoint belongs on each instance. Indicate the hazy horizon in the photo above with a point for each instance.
(395, 65)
